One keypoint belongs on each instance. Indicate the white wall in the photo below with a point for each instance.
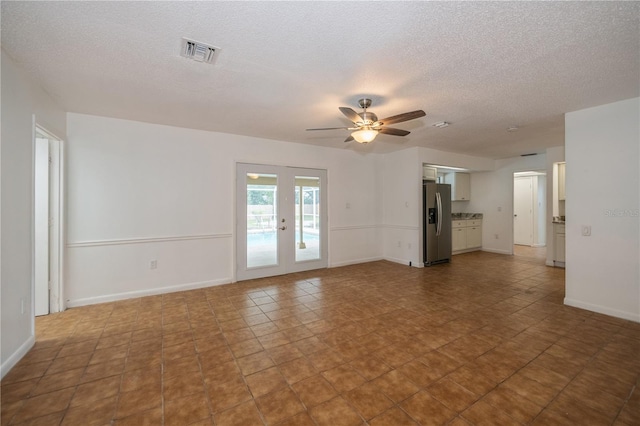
(492, 195)
(402, 206)
(602, 147)
(21, 100)
(139, 192)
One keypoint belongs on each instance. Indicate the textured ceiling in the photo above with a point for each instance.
(287, 66)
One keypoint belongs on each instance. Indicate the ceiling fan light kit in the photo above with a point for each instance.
(367, 125)
(364, 135)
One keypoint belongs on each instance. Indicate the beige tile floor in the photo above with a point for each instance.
(483, 340)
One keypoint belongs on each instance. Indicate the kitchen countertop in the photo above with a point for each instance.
(465, 216)
(558, 219)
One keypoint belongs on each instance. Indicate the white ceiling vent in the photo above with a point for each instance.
(199, 51)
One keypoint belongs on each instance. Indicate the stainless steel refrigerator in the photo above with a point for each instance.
(436, 226)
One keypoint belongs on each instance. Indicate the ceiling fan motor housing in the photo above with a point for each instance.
(368, 118)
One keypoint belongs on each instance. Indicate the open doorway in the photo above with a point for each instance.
(48, 223)
(529, 214)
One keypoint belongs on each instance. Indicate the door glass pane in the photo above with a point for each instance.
(262, 212)
(307, 214)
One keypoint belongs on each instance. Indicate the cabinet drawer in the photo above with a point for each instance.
(459, 224)
(474, 222)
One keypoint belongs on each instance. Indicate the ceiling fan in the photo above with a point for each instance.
(367, 126)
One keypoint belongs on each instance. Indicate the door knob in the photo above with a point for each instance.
(283, 228)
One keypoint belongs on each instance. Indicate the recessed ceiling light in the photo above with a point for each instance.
(512, 129)
(441, 124)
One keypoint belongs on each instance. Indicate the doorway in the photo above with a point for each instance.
(529, 213)
(48, 223)
(281, 220)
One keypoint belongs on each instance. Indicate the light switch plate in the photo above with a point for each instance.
(586, 230)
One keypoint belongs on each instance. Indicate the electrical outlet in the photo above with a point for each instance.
(586, 230)
(153, 264)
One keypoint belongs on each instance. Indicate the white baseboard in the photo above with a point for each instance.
(631, 316)
(141, 293)
(400, 261)
(16, 356)
(355, 262)
(549, 263)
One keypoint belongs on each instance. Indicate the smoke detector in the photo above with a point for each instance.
(441, 124)
(198, 51)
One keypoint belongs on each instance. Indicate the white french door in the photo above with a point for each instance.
(281, 220)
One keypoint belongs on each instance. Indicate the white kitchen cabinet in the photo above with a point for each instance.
(460, 186)
(458, 239)
(474, 237)
(559, 244)
(429, 173)
(466, 235)
(561, 181)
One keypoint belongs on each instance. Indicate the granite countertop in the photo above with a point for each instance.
(464, 216)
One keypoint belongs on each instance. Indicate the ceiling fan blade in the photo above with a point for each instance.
(349, 139)
(403, 117)
(394, 132)
(350, 114)
(330, 128)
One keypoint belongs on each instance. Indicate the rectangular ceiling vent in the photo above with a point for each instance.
(199, 51)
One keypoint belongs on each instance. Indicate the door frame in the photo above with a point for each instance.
(56, 244)
(531, 204)
(531, 172)
(286, 254)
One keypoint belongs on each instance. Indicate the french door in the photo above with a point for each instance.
(281, 220)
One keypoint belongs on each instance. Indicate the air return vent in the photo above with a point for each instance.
(199, 51)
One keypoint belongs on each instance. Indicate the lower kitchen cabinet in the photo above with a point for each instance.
(474, 237)
(466, 235)
(559, 244)
(458, 239)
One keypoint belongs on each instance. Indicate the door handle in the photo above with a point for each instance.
(282, 228)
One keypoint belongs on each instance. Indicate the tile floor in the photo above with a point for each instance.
(484, 340)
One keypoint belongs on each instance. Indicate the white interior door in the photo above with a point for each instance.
(48, 223)
(523, 210)
(281, 220)
(41, 227)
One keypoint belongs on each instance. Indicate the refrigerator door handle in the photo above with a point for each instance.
(439, 218)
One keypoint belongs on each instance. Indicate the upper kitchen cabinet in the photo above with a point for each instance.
(460, 186)
(561, 179)
(429, 173)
